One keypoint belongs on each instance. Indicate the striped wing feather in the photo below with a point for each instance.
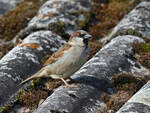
(57, 54)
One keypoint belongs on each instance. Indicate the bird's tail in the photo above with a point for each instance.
(39, 74)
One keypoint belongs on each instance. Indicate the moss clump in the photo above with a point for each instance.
(126, 85)
(94, 48)
(107, 14)
(5, 47)
(123, 32)
(59, 28)
(82, 24)
(115, 101)
(12, 22)
(21, 91)
(31, 98)
(52, 84)
(127, 32)
(128, 82)
(142, 51)
(6, 109)
(36, 82)
(3, 110)
(141, 47)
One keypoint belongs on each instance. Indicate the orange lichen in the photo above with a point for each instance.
(43, 16)
(31, 45)
(54, 2)
(18, 41)
(50, 14)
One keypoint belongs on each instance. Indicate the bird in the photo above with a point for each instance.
(67, 60)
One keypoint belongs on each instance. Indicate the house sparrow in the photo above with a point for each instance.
(67, 60)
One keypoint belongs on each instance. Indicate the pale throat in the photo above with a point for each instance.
(76, 43)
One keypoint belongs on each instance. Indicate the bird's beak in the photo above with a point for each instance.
(87, 36)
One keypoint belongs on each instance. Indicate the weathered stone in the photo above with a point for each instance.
(61, 16)
(21, 62)
(136, 23)
(139, 103)
(93, 79)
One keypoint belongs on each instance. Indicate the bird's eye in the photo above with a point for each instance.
(81, 35)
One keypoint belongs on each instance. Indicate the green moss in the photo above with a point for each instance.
(145, 47)
(12, 22)
(94, 48)
(3, 110)
(124, 32)
(36, 82)
(59, 28)
(106, 15)
(21, 91)
(126, 85)
(128, 32)
(6, 109)
(128, 82)
(141, 47)
(31, 98)
(83, 22)
(143, 51)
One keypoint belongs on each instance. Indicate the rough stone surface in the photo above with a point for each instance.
(63, 15)
(93, 79)
(21, 62)
(139, 103)
(137, 22)
(134, 108)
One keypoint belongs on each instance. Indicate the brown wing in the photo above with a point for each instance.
(57, 54)
(74, 35)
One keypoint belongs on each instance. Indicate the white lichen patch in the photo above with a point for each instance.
(5, 67)
(135, 20)
(142, 71)
(16, 78)
(10, 56)
(46, 37)
(94, 108)
(142, 96)
(32, 57)
(18, 54)
(5, 74)
(54, 49)
(123, 40)
(81, 71)
(35, 37)
(65, 11)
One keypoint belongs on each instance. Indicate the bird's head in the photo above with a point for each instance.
(79, 38)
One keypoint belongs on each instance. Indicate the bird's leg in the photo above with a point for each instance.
(68, 85)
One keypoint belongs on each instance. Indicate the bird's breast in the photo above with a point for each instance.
(70, 62)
